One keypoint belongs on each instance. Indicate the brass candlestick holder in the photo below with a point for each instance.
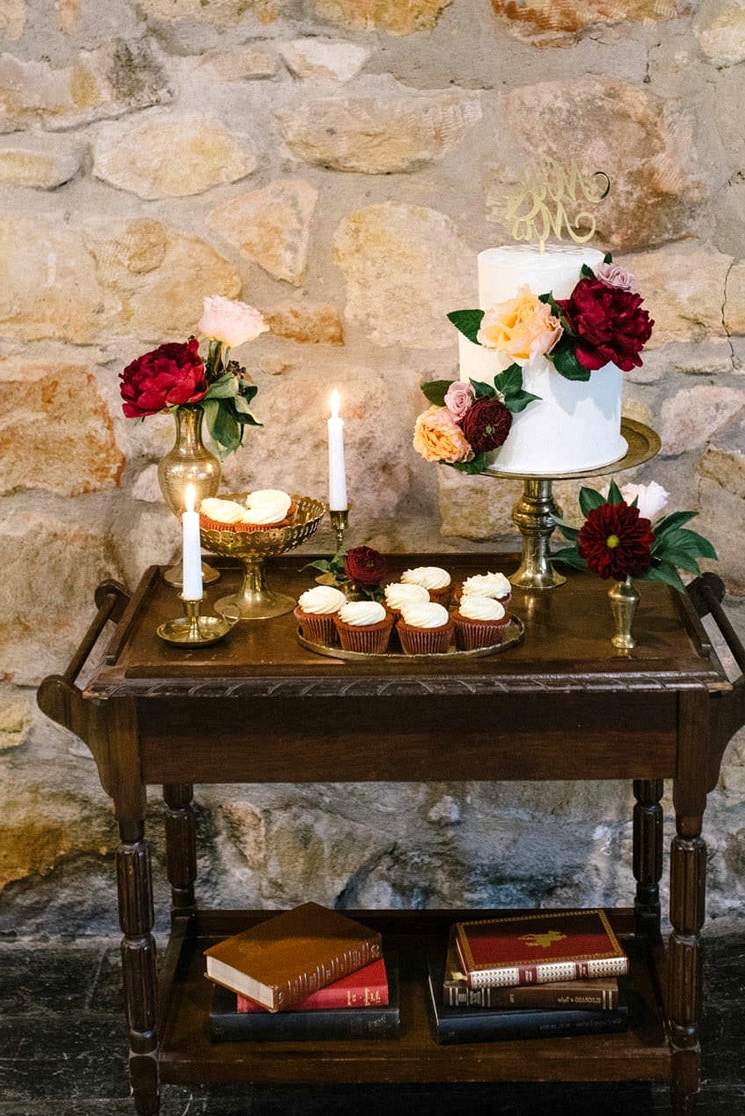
(194, 630)
(534, 512)
(340, 522)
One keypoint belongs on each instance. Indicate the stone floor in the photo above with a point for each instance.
(62, 1052)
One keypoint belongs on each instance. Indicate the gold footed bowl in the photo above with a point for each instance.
(256, 601)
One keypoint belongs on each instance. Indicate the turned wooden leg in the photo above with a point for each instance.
(647, 859)
(181, 846)
(687, 903)
(138, 960)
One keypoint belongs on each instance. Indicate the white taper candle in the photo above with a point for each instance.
(192, 560)
(337, 471)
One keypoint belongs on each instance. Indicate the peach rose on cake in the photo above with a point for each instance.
(521, 328)
(437, 437)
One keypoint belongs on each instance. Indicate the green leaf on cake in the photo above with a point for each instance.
(468, 322)
(434, 391)
(510, 385)
(565, 361)
(477, 465)
(482, 390)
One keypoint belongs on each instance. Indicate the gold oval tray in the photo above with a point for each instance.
(518, 631)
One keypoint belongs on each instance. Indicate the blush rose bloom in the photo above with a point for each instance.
(651, 498)
(169, 376)
(613, 275)
(233, 323)
(521, 328)
(437, 437)
(458, 399)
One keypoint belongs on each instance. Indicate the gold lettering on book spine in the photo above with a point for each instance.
(545, 201)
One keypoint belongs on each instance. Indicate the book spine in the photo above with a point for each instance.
(340, 1023)
(363, 995)
(456, 993)
(543, 974)
(506, 1026)
(304, 984)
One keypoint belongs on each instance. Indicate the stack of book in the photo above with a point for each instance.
(542, 975)
(308, 973)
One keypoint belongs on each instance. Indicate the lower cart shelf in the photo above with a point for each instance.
(186, 1054)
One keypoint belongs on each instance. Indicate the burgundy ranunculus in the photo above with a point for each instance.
(608, 323)
(615, 541)
(169, 376)
(486, 424)
(366, 566)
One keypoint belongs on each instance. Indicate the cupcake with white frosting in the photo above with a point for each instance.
(493, 585)
(425, 628)
(399, 593)
(435, 580)
(269, 507)
(364, 626)
(479, 622)
(315, 612)
(219, 514)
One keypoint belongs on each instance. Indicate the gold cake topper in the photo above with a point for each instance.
(545, 201)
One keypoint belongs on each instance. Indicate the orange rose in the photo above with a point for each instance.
(521, 328)
(437, 437)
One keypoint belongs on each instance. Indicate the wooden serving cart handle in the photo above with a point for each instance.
(58, 696)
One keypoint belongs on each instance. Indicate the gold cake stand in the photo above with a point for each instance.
(533, 513)
(255, 600)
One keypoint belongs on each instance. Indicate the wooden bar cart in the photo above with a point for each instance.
(258, 707)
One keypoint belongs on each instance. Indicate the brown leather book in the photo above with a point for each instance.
(282, 960)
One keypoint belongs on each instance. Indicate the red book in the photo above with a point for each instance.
(367, 987)
(539, 947)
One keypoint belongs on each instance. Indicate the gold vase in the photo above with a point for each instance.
(188, 462)
(624, 599)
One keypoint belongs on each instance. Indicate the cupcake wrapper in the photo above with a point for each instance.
(472, 634)
(372, 640)
(424, 641)
(318, 628)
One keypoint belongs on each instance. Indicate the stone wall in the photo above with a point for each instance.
(337, 163)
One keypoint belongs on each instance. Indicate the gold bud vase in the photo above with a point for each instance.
(188, 462)
(624, 599)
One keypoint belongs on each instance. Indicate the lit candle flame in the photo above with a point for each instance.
(334, 403)
(189, 497)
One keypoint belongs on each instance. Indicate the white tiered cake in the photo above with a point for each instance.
(576, 425)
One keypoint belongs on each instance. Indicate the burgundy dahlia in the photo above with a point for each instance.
(169, 376)
(365, 566)
(608, 323)
(486, 424)
(616, 542)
